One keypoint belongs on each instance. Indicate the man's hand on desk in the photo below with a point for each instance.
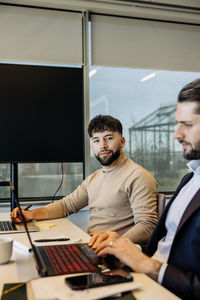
(102, 238)
(34, 214)
(129, 254)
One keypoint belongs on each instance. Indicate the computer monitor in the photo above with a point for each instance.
(41, 109)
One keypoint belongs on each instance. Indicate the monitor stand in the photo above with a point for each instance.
(13, 185)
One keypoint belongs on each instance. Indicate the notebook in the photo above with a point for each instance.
(7, 226)
(67, 258)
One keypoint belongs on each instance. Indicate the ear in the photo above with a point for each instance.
(122, 142)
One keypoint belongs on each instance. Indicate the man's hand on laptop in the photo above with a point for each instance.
(129, 254)
(105, 237)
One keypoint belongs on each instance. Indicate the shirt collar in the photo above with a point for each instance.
(194, 166)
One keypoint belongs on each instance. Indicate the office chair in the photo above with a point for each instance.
(161, 203)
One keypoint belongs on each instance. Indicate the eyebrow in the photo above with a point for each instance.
(94, 137)
(184, 121)
(107, 135)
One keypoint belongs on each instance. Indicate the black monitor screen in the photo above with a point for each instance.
(41, 114)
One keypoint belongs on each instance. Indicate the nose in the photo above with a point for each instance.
(178, 133)
(103, 144)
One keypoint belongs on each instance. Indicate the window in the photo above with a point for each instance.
(41, 180)
(59, 43)
(145, 102)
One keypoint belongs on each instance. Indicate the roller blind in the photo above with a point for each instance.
(125, 42)
(40, 35)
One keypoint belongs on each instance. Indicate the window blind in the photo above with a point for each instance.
(126, 42)
(40, 35)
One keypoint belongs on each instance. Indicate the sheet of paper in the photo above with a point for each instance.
(45, 225)
(54, 288)
(21, 246)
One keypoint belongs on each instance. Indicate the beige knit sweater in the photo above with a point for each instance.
(121, 197)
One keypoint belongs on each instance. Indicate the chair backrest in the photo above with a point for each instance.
(161, 203)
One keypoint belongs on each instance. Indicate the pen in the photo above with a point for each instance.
(52, 240)
(28, 207)
(13, 288)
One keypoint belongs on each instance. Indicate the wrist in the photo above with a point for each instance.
(32, 214)
(39, 214)
(154, 269)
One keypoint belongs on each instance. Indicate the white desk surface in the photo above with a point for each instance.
(22, 267)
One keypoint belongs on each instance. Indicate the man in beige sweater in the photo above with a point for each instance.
(122, 196)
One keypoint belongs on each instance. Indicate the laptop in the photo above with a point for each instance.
(7, 226)
(67, 258)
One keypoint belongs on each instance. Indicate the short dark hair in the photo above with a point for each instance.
(191, 92)
(104, 122)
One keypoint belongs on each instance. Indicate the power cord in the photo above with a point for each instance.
(60, 183)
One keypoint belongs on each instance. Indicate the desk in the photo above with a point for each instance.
(22, 266)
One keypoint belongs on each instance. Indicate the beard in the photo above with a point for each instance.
(194, 153)
(108, 160)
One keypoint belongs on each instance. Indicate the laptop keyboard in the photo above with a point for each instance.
(7, 226)
(69, 259)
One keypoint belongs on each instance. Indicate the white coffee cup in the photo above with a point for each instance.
(6, 246)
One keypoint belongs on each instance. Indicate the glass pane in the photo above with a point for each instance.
(145, 102)
(43, 179)
(4, 176)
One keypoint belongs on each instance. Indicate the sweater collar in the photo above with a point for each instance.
(116, 164)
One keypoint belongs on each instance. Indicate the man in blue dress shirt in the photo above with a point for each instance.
(173, 253)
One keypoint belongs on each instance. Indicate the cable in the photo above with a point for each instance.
(60, 183)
